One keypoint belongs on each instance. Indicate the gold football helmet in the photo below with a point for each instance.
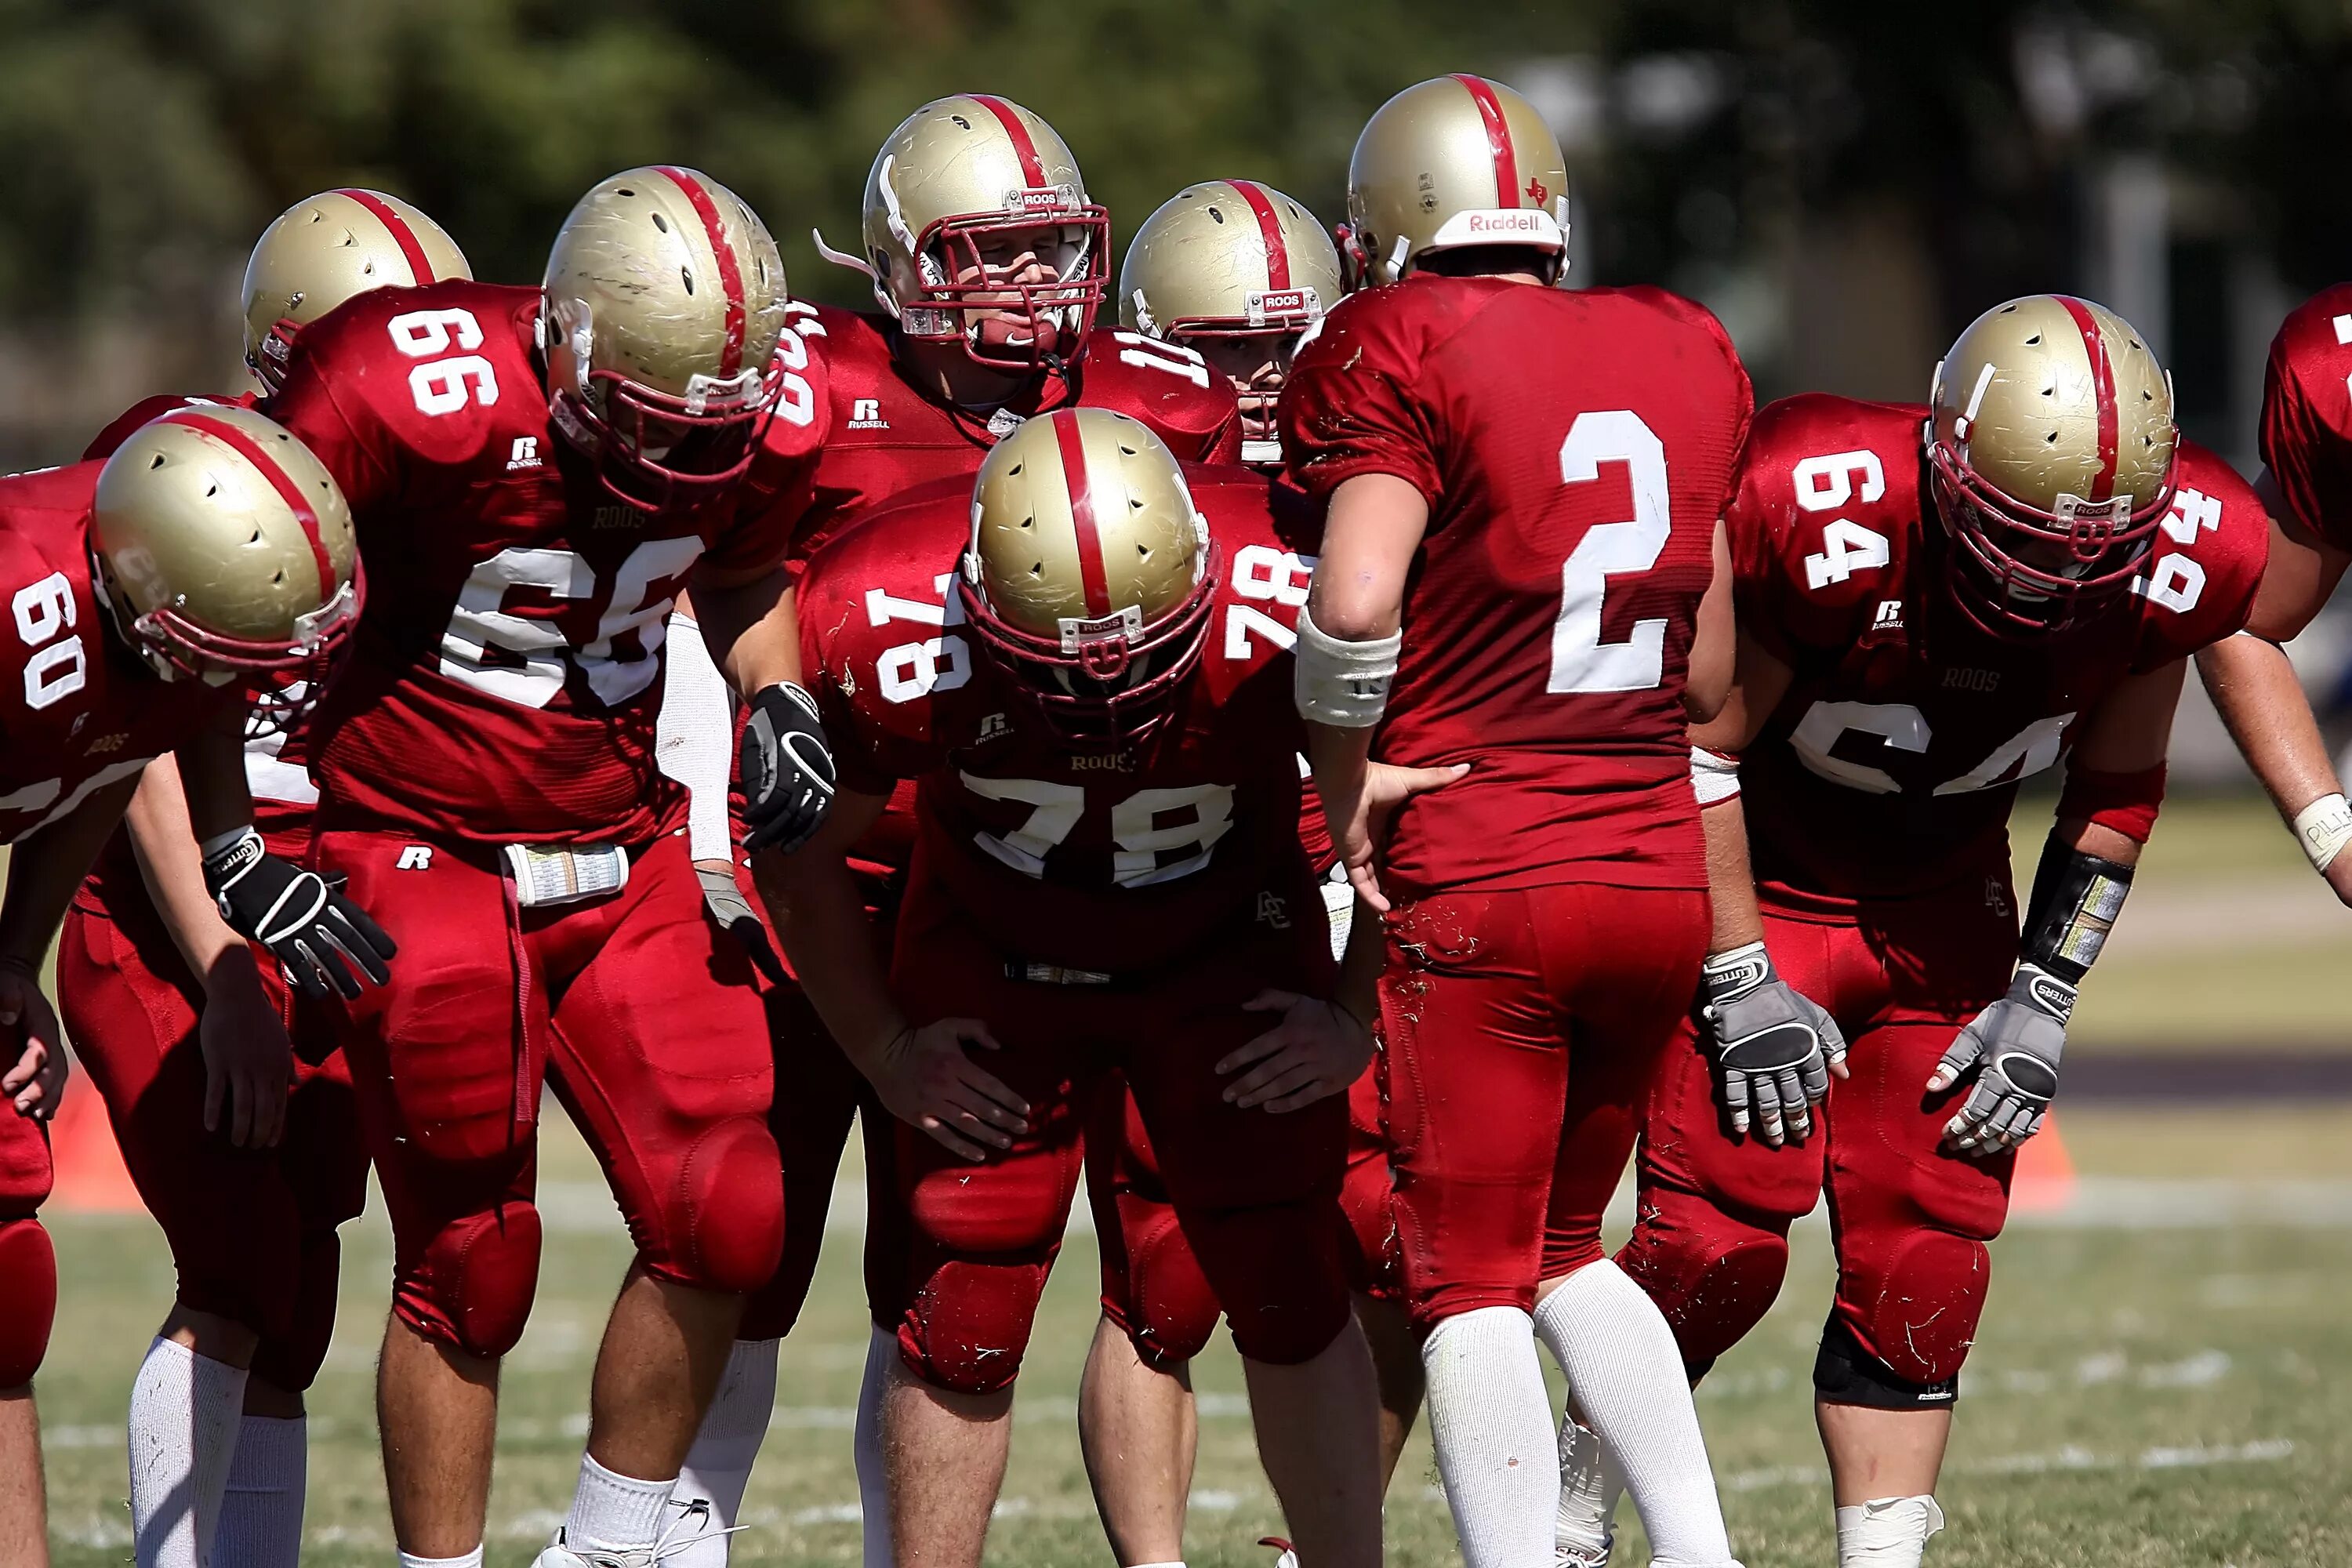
(224, 550)
(1089, 575)
(978, 231)
(1458, 161)
(2049, 442)
(323, 250)
(1239, 272)
(665, 309)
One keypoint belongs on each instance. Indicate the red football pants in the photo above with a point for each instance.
(1910, 1221)
(1256, 1195)
(640, 1013)
(1522, 1030)
(28, 1266)
(1152, 1287)
(252, 1231)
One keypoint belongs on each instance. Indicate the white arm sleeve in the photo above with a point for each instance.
(694, 738)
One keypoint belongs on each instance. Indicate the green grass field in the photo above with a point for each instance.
(2157, 1384)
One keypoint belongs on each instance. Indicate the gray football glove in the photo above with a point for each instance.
(728, 906)
(2015, 1044)
(1772, 1045)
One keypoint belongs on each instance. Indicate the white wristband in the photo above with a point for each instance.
(2323, 828)
(1714, 776)
(1343, 684)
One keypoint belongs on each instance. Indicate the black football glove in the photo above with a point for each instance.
(787, 769)
(317, 935)
(732, 911)
(1772, 1045)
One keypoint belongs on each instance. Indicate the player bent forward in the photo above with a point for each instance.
(1107, 874)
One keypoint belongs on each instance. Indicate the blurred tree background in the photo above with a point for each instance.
(1846, 181)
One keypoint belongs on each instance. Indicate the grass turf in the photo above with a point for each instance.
(2139, 1398)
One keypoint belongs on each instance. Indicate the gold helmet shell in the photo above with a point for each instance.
(1457, 161)
(1089, 573)
(665, 307)
(225, 551)
(2051, 439)
(955, 174)
(326, 248)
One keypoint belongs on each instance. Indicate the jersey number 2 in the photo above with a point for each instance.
(1581, 661)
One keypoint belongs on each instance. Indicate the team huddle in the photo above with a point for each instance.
(1348, 759)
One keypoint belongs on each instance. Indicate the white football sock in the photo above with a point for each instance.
(261, 1510)
(1887, 1532)
(614, 1512)
(873, 1481)
(1177, 1564)
(471, 1560)
(1490, 1420)
(1589, 1487)
(184, 1414)
(719, 1466)
(1627, 1377)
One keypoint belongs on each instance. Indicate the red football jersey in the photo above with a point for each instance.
(79, 710)
(1889, 768)
(506, 669)
(1576, 448)
(887, 436)
(1105, 860)
(2306, 434)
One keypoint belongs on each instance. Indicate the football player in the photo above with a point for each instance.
(1107, 873)
(1523, 487)
(2306, 446)
(535, 473)
(1934, 602)
(210, 557)
(988, 262)
(169, 1012)
(1240, 273)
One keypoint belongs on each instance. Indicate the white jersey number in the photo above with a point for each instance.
(1904, 728)
(534, 653)
(1134, 827)
(2176, 581)
(927, 665)
(1581, 661)
(444, 386)
(1270, 576)
(57, 666)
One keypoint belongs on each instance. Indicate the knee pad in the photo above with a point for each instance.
(1846, 1373)
(727, 1208)
(1278, 1272)
(969, 1324)
(1713, 1275)
(473, 1285)
(28, 1298)
(1169, 1312)
(290, 1357)
(1914, 1306)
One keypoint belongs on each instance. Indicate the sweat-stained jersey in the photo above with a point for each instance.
(1575, 448)
(1114, 861)
(506, 669)
(79, 711)
(1889, 768)
(2306, 429)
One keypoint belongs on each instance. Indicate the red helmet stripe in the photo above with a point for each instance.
(2102, 392)
(731, 275)
(1269, 229)
(1068, 435)
(1032, 171)
(1498, 138)
(245, 446)
(397, 227)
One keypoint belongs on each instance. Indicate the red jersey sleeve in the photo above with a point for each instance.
(1167, 386)
(127, 423)
(2208, 560)
(1351, 404)
(769, 501)
(2306, 419)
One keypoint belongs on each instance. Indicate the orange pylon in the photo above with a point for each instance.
(2045, 1172)
(90, 1178)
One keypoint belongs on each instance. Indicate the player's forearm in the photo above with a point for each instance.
(749, 629)
(1369, 536)
(212, 780)
(1730, 878)
(44, 870)
(819, 917)
(157, 822)
(2254, 688)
